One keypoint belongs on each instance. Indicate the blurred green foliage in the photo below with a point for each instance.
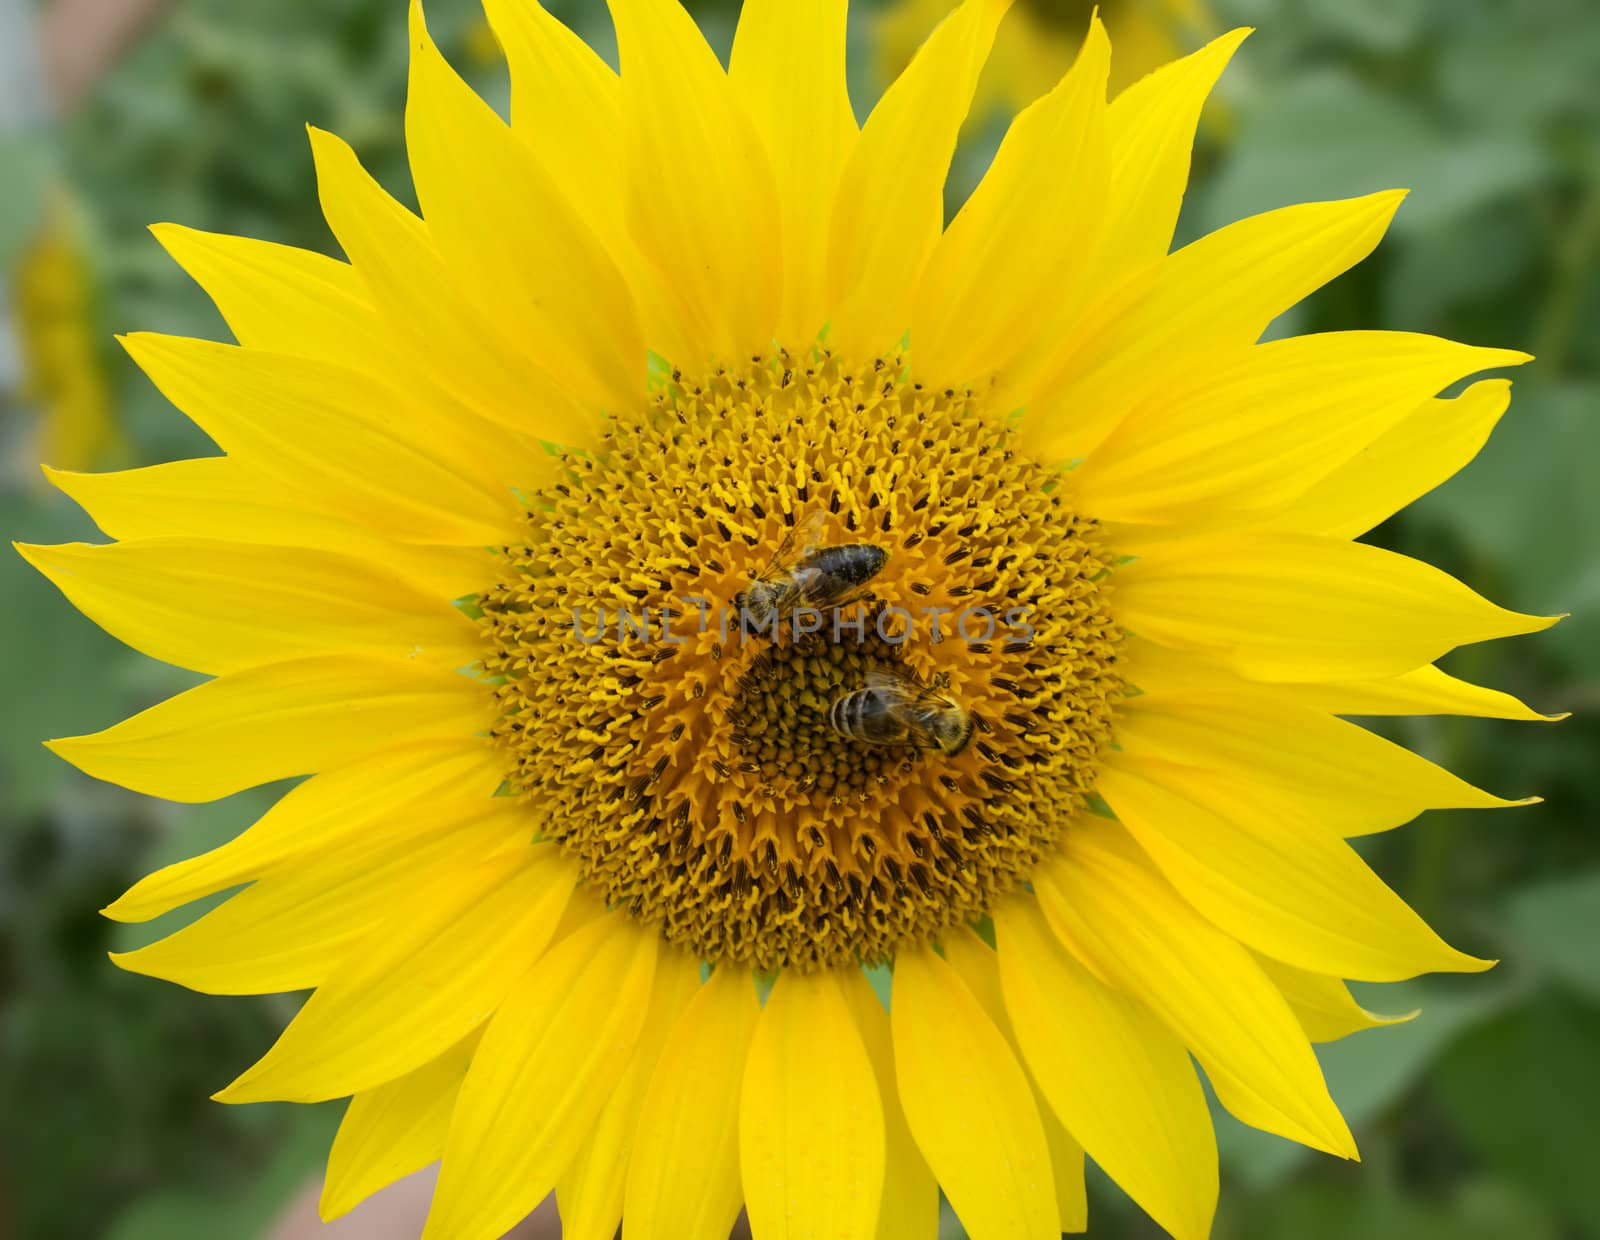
(1476, 1120)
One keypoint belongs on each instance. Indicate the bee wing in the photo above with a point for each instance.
(805, 535)
(906, 699)
(890, 684)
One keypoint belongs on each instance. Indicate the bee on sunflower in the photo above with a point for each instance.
(1039, 726)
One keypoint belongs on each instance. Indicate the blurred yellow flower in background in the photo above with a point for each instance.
(58, 334)
(479, 43)
(1038, 40)
(603, 916)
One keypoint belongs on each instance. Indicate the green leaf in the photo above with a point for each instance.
(1325, 1210)
(1327, 135)
(1377, 25)
(1469, 261)
(29, 161)
(1522, 1089)
(1556, 925)
(1521, 62)
(197, 1214)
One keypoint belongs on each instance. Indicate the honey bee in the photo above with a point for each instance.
(895, 710)
(819, 577)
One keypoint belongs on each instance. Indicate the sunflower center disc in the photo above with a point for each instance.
(690, 765)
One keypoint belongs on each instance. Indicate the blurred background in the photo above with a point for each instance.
(1477, 1120)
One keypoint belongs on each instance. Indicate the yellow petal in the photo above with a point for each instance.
(1290, 607)
(979, 968)
(1201, 983)
(217, 497)
(1426, 691)
(1218, 293)
(565, 104)
(1116, 1077)
(1349, 779)
(683, 1178)
(701, 200)
(969, 1105)
(219, 607)
(280, 299)
(1279, 883)
(1015, 253)
(787, 69)
(268, 723)
(1152, 126)
(293, 929)
(910, 1208)
(317, 425)
(1323, 1005)
(590, 1191)
(434, 971)
(544, 1069)
(1410, 460)
(393, 1130)
(461, 350)
(890, 207)
(811, 1130)
(505, 229)
(336, 810)
(1174, 674)
(1066, 1161)
(1259, 431)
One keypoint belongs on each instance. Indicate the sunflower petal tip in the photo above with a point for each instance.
(1227, 43)
(243, 1088)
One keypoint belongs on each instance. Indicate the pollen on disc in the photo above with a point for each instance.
(691, 768)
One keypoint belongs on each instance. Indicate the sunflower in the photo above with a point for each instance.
(1037, 729)
(1036, 43)
(63, 374)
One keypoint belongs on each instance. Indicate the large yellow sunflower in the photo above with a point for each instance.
(590, 906)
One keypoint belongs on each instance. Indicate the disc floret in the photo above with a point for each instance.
(688, 762)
